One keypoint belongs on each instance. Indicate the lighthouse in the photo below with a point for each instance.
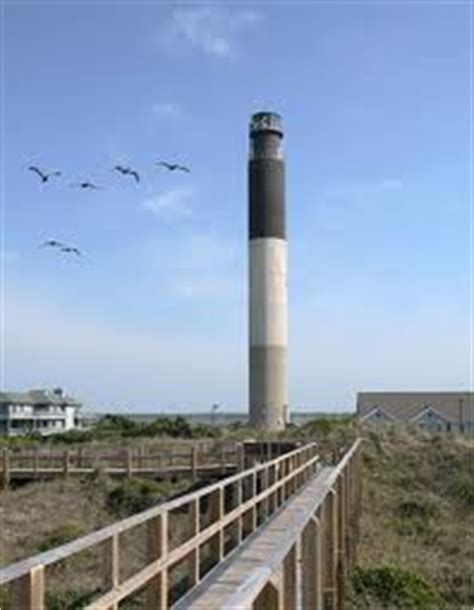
(268, 303)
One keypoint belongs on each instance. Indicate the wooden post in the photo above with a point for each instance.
(240, 520)
(270, 598)
(128, 462)
(341, 540)
(194, 559)
(112, 565)
(27, 592)
(240, 457)
(308, 565)
(194, 463)
(66, 463)
(36, 462)
(331, 545)
(223, 458)
(6, 468)
(216, 507)
(299, 572)
(266, 501)
(254, 507)
(316, 566)
(157, 590)
(290, 569)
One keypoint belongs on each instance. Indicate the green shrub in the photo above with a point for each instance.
(393, 587)
(205, 431)
(71, 437)
(417, 507)
(69, 599)
(177, 427)
(134, 495)
(4, 598)
(60, 535)
(462, 489)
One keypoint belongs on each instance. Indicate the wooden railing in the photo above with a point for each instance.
(300, 558)
(189, 459)
(180, 541)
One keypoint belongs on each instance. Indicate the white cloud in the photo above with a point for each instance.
(166, 110)
(171, 206)
(212, 30)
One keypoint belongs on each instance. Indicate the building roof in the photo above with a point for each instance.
(38, 397)
(404, 406)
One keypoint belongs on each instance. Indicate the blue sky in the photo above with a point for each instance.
(376, 106)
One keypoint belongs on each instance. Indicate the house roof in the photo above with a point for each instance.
(404, 406)
(37, 397)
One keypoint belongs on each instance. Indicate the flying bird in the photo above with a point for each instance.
(172, 167)
(88, 185)
(44, 177)
(53, 244)
(71, 250)
(127, 171)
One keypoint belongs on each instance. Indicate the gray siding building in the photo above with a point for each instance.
(435, 411)
(41, 411)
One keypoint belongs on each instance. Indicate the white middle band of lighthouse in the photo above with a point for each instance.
(268, 292)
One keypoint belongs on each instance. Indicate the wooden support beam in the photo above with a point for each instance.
(240, 519)
(270, 598)
(111, 565)
(157, 590)
(331, 546)
(194, 463)
(240, 457)
(223, 460)
(66, 463)
(299, 571)
(216, 507)
(341, 540)
(317, 564)
(27, 592)
(289, 580)
(128, 461)
(194, 559)
(265, 502)
(254, 507)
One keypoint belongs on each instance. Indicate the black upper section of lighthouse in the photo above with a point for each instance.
(266, 177)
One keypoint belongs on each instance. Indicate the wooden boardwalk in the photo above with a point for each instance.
(277, 536)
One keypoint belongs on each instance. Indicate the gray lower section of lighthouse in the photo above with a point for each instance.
(268, 391)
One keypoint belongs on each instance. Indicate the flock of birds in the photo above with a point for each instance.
(86, 184)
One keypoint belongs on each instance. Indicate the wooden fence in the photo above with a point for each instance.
(186, 459)
(214, 521)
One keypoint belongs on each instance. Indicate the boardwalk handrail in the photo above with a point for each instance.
(310, 543)
(127, 461)
(192, 458)
(279, 479)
